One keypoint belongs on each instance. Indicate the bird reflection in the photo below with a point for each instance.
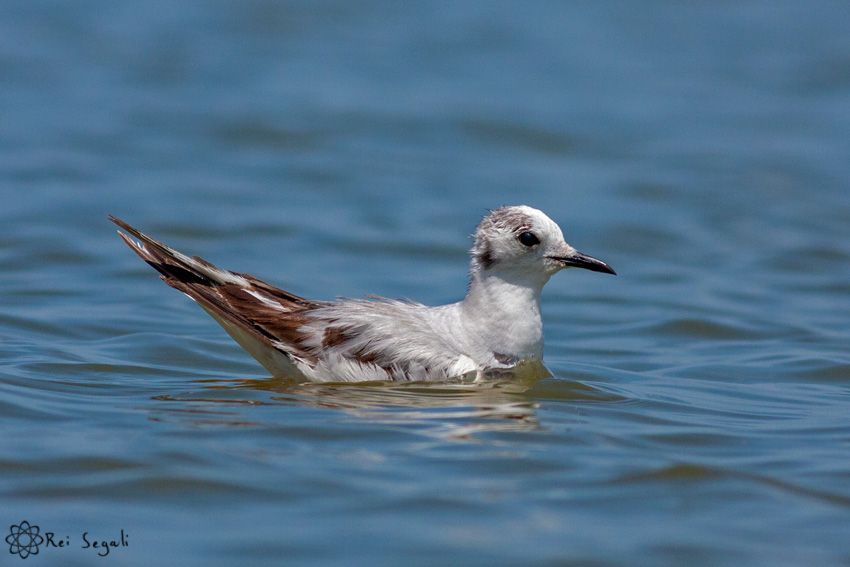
(465, 406)
(459, 409)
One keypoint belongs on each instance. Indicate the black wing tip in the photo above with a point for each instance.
(122, 224)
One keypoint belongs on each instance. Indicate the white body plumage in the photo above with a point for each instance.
(497, 325)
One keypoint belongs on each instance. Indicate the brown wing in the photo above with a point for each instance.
(261, 311)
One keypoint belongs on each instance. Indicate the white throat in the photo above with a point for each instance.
(504, 312)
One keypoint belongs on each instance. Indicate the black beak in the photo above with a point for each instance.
(579, 260)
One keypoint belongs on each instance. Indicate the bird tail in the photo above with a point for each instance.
(173, 264)
(263, 319)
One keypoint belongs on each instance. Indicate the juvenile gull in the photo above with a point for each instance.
(497, 325)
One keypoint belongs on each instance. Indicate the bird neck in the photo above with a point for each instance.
(506, 309)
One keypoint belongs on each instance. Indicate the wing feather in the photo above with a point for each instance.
(259, 316)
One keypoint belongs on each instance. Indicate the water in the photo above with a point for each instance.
(698, 409)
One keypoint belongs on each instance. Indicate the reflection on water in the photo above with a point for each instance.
(462, 407)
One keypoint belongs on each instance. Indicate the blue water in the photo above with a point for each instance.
(699, 408)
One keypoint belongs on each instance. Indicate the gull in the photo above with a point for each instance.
(497, 325)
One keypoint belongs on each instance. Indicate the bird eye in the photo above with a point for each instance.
(528, 239)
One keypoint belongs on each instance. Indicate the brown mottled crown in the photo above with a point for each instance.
(503, 219)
